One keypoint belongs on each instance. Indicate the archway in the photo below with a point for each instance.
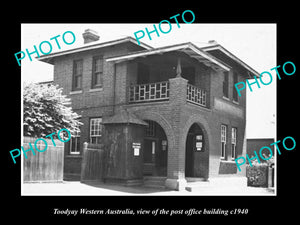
(155, 156)
(196, 153)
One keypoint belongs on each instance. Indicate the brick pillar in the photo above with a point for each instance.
(176, 155)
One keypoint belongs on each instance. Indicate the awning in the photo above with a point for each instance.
(123, 117)
(187, 48)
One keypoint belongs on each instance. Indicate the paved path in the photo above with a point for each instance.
(216, 186)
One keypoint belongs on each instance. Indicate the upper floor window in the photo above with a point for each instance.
(77, 75)
(95, 130)
(97, 74)
(235, 94)
(225, 84)
(223, 141)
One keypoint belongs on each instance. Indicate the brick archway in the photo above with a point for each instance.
(202, 123)
(154, 116)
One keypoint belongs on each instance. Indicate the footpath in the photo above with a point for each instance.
(230, 186)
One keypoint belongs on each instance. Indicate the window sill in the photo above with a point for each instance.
(96, 89)
(235, 102)
(226, 98)
(74, 156)
(75, 92)
(227, 161)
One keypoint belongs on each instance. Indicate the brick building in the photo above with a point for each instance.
(170, 112)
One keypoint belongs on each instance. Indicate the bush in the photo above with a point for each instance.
(46, 110)
(257, 175)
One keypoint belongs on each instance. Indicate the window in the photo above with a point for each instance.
(225, 84)
(95, 130)
(223, 141)
(97, 74)
(233, 143)
(235, 94)
(75, 143)
(77, 75)
(150, 129)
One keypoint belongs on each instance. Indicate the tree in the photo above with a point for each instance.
(46, 110)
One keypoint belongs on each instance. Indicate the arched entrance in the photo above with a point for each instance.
(155, 156)
(196, 153)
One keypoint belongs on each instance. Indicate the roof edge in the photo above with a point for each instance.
(232, 56)
(169, 48)
(91, 46)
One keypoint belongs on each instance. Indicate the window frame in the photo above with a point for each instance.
(235, 96)
(75, 137)
(150, 129)
(98, 125)
(233, 142)
(76, 75)
(94, 72)
(226, 85)
(223, 140)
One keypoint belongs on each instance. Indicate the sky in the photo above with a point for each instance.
(254, 44)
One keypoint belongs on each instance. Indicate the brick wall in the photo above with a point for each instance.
(91, 103)
(175, 116)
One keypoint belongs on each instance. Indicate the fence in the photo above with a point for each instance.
(92, 167)
(44, 166)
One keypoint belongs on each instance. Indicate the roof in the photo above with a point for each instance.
(188, 48)
(91, 46)
(230, 55)
(202, 54)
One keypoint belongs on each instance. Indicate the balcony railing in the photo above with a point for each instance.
(160, 91)
(196, 95)
(149, 92)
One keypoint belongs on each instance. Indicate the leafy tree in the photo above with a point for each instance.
(46, 110)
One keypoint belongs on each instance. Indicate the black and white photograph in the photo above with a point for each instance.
(170, 114)
(150, 117)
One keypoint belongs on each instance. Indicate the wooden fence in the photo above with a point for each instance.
(44, 166)
(93, 159)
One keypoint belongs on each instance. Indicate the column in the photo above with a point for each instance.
(176, 155)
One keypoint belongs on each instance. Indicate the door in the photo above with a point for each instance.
(189, 74)
(149, 156)
(143, 74)
(189, 156)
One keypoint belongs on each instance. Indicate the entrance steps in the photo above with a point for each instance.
(221, 183)
(153, 181)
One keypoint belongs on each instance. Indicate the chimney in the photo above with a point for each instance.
(213, 42)
(90, 35)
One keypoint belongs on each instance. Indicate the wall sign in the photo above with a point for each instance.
(136, 148)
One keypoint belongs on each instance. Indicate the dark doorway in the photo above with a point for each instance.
(143, 74)
(155, 150)
(189, 74)
(195, 153)
(189, 159)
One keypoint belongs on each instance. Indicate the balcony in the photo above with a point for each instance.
(196, 95)
(160, 91)
(149, 92)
